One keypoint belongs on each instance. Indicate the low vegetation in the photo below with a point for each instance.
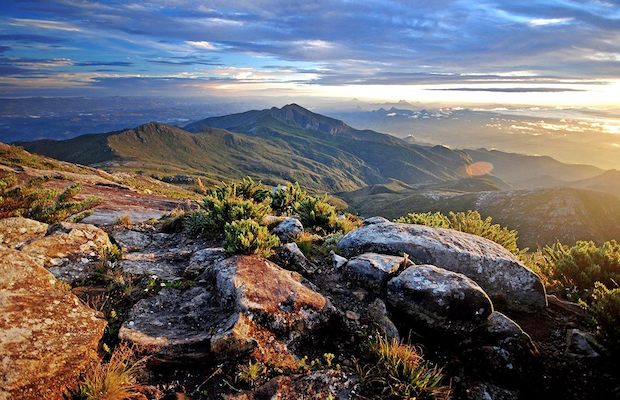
(114, 380)
(604, 309)
(249, 237)
(31, 200)
(400, 371)
(469, 222)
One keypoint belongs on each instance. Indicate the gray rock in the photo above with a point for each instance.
(290, 256)
(581, 344)
(372, 270)
(379, 315)
(203, 259)
(375, 220)
(438, 299)
(495, 269)
(337, 261)
(288, 230)
(487, 391)
(129, 240)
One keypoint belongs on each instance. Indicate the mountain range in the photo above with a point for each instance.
(375, 173)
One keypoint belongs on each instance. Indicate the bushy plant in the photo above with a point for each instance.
(316, 212)
(32, 200)
(400, 371)
(285, 199)
(247, 189)
(251, 372)
(217, 211)
(469, 222)
(114, 380)
(604, 309)
(249, 237)
(575, 269)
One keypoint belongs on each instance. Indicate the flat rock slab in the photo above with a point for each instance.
(47, 336)
(372, 270)
(17, 231)
(495, 269)
(438, 299)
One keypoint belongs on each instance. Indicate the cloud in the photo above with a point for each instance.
(103, 64)
(549, 21)
(29, 38)
(512, 89)
(202, 44)
(44, 24)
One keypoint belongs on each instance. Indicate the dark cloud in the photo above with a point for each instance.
(30, 38)
(513, 90)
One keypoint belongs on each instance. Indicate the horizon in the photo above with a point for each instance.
(543, 54)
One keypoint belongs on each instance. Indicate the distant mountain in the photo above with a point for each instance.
(276, 145)
(541, 216)
(608, 181)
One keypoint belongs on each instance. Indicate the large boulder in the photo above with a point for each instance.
(438, 300)
(47, 336)
(372, 270)
(203, 259)
(244, 304)
(506, 280)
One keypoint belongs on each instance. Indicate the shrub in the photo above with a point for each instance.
(305, 241)
(251, 372)
(576, 269)
(285, 199)
(123, 220)
(469, 222)
(247, 189)
(114, 380)
(605, 311)
(316, 212)
(248, 237)
(401, 371)
(219, 210)
(32, 200)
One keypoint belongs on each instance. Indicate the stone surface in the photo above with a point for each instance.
(438, 299)
(16, 231)
(47, 336)
(291, 257)
(377, 311)
(245, 304)
(69, 251)
(129, 240)
(496, 270)
(580, 344)
(337, 261)
(372, 270)
(319, 385)
(203, 259)
(288, 230)
(375, 220)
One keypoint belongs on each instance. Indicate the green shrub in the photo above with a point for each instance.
(217, 211)
(32, 200)
(575, 269)
(247, 189)
(249, 237)
(605, 311)
(315, 212)
(285, 199)
(469, 222)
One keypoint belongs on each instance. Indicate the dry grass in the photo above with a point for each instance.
(114, 380)
(402, 372)
(123, 220)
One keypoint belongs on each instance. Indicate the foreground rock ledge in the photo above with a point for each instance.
(47, 336)
(506, 280)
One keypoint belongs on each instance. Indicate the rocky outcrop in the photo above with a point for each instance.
(290, 256)
(372, 270)
(319, 385)
(69, 251)
(288, 230)
(203, 259)
(438, 299)
(47, 336)
(244, 304)
(497, 271)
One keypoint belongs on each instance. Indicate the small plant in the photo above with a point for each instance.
(306, 241)
(284, 199)
(114, 380)
(123, 220)
(401, 371)
(251, 373)
(249, 237)
(32, 200)
(173, 222)
(469, 222)
(604, 309)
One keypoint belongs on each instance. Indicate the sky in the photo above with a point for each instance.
(560, 53)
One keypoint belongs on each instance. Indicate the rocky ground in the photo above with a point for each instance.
(198, 316)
